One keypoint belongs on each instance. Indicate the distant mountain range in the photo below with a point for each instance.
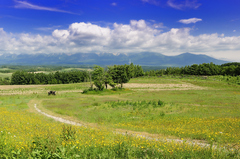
(102, 59)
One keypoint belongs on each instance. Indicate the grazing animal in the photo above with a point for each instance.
(52, 93)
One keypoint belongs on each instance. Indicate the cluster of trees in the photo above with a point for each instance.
(24, 78)
(206, 69)
(114, 75)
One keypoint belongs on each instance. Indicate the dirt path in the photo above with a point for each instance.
(58, 118)
(146, 135)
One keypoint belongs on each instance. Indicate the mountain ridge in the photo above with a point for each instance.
(103, 59)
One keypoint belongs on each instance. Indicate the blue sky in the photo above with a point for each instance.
(170, 27)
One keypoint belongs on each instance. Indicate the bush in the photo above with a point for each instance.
(85, 91)
(160, 103)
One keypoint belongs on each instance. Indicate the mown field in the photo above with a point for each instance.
(153, 117)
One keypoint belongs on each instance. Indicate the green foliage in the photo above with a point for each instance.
(161, 103)
(25, 78)
(137, 104)
(162, 114)
(121, 73)
(114, 75)
(105, 91)
(4, 81)
(205, 69)
(232, 63)
(98, 77)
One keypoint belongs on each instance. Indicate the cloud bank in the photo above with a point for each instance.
(137, 36)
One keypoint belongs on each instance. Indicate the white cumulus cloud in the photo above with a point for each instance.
(191, 20)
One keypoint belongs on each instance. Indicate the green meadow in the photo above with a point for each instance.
(151, 117)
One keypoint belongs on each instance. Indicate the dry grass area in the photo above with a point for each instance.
(142, 86)
(4, 87)
(22, 89)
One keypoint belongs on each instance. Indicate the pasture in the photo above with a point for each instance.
(153, 117)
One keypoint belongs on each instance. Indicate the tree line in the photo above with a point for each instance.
(205, 69)
(119, 74)
(112, 75)
(25, 78)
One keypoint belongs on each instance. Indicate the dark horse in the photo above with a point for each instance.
(52, 92)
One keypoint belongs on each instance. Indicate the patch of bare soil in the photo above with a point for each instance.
(142, 86)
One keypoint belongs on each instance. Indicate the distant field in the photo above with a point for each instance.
(186, 109)
(76, 69)
(3, 69)
(4, 75)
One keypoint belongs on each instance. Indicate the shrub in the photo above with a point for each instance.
(160, 103)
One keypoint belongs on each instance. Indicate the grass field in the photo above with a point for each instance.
(187, 109)
(4, 75)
